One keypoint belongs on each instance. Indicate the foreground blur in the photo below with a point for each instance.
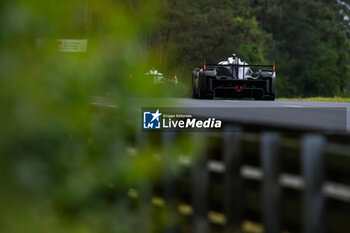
(63, 160)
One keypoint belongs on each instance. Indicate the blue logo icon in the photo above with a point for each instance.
(151, 120)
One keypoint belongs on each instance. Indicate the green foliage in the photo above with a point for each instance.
(311, 54)
(63, 160)
(208, 30)
(308, 40)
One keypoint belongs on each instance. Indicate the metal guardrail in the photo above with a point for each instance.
(283, 184)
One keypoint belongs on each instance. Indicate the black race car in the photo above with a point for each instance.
(234, 78)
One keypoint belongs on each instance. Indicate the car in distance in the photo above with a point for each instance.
(234, 78)
(160, 78)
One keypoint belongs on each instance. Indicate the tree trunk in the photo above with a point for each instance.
(167, 36)
(279, 25)
(263, 15)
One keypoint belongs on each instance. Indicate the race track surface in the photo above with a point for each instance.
(324, 116)
(299, 115)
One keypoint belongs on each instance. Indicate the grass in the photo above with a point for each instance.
(321, 99)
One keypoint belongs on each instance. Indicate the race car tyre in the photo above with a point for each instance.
(268, 97)
(205, 96)
(208, 97)
(202, 92)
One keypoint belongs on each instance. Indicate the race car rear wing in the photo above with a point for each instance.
(271, 68)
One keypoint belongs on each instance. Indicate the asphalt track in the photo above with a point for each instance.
(300, 115)
(307, 115)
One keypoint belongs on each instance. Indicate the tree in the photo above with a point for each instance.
(307, 39)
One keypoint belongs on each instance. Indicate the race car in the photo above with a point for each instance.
(159, 78)
(234, 78)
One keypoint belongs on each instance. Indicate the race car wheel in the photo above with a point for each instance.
(266, 97)
(209, 97)
(202, 89)
(270, 97)
(205, 96)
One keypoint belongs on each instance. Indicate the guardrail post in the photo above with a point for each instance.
(144, 188)
(271, 192)
(200, 181)
(145, 197)
(169, 182)
(313, 172)
(233, 182)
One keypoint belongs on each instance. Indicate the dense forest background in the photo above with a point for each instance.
(309, 40)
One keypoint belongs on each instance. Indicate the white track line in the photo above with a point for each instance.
(294, 106)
